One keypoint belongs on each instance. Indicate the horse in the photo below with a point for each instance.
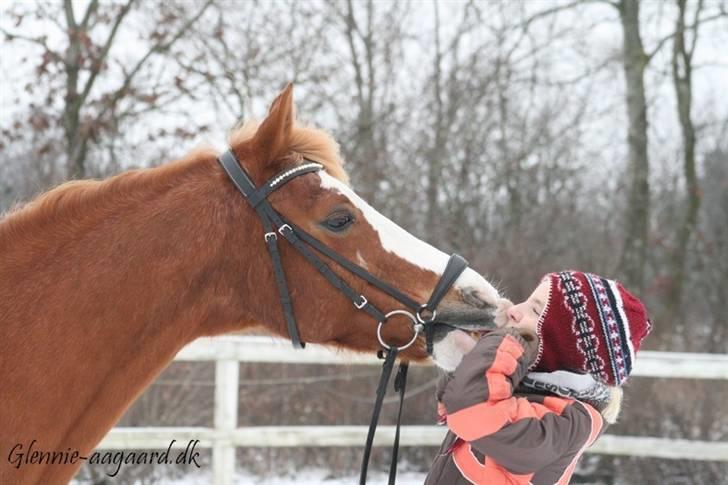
(103, 282)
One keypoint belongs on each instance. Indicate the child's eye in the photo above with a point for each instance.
(538, 314)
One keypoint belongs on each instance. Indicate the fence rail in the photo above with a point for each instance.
(225, 436)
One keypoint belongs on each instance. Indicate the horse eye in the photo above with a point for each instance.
(339, 221)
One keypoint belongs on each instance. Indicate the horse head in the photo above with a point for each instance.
(325, 206)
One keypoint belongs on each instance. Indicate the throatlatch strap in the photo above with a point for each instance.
(283, 293)
(381, 391)
(246, 187)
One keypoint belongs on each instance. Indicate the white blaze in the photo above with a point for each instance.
(400, 242)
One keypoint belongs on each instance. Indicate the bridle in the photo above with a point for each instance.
(422, 316)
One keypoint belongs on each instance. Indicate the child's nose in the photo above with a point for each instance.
(514, 314)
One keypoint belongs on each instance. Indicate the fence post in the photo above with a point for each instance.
(226, 420)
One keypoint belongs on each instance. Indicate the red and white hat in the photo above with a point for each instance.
(590, 325)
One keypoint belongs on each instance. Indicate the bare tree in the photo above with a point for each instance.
(368, 36)
(682, 75)
(72, 74)
(238, 64)
(634, 251)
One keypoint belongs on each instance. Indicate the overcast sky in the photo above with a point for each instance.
(596, 36)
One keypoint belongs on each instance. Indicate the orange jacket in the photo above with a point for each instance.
(496, 437)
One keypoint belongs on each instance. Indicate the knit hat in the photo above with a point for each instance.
(590, 325)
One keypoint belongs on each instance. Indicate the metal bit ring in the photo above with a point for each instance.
(417, 327)
(422, 319)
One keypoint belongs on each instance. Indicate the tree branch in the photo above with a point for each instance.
(560, 8)
(161, 47)
(96, 68)
(70, 20)
(351, 27)
(89, 11)
(694, 26)
(41, 41)
(694, 42)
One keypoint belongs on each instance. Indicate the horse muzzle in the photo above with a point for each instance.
(457, 329)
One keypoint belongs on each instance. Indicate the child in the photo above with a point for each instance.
(580, 332)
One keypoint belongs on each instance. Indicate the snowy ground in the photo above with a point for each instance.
(305, 477)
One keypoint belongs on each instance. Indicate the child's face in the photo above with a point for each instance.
(525, 315)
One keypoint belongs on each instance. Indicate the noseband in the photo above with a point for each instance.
(422, 316)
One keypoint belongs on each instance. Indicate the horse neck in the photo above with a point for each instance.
(97, 297)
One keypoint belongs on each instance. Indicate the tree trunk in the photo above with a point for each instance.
(366, 154)
(634, 252)
(437, 151)
(682, 79)
(72, 107)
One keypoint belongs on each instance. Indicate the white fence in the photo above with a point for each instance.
(225, 436)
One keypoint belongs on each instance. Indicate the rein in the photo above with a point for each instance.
(422, 316)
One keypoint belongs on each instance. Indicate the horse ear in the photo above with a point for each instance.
(273, 136)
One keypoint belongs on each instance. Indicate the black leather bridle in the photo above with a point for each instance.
(422, 315)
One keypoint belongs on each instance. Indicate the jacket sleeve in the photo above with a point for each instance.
(520, 435)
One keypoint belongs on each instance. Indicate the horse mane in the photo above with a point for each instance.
(76, 196)
(310, 143)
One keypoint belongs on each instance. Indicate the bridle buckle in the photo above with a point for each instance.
(269, 235)
(362, 303)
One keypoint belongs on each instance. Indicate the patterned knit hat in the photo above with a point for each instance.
(590, 325)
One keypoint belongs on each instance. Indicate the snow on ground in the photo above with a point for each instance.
(307, 476)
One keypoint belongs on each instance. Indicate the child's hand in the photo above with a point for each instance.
(528, 339)
(439, 391)
(528, 336)
(441, 383)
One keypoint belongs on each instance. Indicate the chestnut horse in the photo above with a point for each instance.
(103, 282)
